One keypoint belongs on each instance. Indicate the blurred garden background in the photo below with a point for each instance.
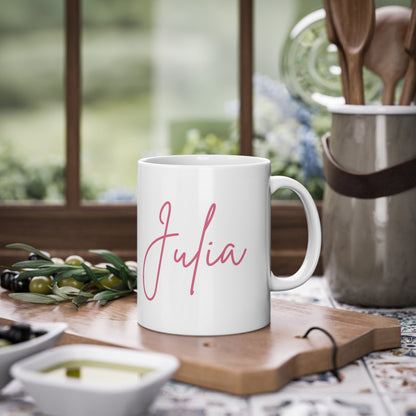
(158, 77)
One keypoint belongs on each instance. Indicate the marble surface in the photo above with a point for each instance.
(381, 383)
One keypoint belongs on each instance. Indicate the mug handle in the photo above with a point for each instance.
(313, 249)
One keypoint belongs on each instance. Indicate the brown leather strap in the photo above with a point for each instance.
(386, 182)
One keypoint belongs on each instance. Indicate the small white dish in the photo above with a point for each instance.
(12, 353)
(68, 396)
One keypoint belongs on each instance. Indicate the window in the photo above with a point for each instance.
(70, 223)
(32, 138)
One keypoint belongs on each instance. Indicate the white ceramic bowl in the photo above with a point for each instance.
(72, 396)
(15, 352)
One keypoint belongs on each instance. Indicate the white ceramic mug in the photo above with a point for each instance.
(204, 243)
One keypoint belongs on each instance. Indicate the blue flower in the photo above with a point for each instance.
(116, 195)
(279, 94)
(309, 156)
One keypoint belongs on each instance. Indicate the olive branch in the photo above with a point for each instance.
(91, 277)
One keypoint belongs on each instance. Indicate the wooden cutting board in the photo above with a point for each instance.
(255, 362)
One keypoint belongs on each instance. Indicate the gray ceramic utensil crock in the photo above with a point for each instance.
(369, 210)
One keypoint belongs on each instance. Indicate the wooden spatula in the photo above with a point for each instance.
(385, 55)
(409, 84)
(353, 22)
(332, 37)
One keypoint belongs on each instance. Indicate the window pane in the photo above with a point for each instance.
(159, 76)
(31, 101)
(284, 125)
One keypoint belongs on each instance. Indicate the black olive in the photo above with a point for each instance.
(39, 332)
(20, 286)
(4, 280)
(9, 281)
(7, 277)
(19, 332)
(3, 333)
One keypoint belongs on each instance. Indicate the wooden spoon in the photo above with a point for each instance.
(385, 55)
(332, 37)
(354, 24)
(409, 84)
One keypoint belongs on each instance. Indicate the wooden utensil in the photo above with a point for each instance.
(332, 37)
(385, 55)
(409, 84)
(255, 362)
(353, 21)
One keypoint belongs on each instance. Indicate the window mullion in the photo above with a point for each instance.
(73, 102)
(246, 75)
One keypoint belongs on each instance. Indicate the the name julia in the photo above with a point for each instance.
(203, 252)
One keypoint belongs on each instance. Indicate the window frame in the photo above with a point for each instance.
(75, 227)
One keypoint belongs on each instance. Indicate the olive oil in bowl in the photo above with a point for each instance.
(85, 380)
(96, 372)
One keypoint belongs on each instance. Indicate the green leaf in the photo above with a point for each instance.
(27, 247)
(82, 273)
(124, 273)
(77, 274)
(64, 274)
(32, 264)
(129, 277)
(113, 270)
(109, 257)
(43, 271)
(65, 292)
(93, 277)
(86, 294)
(80, 299)
(105, 295)
(33, 273)
(36, 298)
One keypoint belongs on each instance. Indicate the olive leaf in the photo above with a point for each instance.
(109, 257)
(104, 296)
(37, 297)
(75, 273)
(81, 298)
(43, 271)
(30, 264)
(94, 277)
(127, 276)
(66, 292)
(30, 249)
(82, 273)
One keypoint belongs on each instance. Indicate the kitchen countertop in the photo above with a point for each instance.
(381, 383)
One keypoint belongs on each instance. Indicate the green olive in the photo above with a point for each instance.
(110, 281)
(41, 284)
(70, 281)
(74, 259)
(132, 264)
(57, 260)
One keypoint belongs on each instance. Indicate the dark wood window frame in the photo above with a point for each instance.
(76, 227)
